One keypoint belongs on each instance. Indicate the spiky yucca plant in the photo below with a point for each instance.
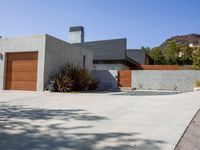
(73, 78)
(62, 83)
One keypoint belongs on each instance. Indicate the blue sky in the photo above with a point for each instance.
(142, 22)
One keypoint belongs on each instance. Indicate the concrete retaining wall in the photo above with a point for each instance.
(179, 80)
(107, 79)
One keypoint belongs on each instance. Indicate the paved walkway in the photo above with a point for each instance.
(54, 121)
(191, 137)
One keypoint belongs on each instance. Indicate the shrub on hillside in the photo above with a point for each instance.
(72, 78)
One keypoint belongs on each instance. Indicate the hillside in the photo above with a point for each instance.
(183, 40)
(176, 50)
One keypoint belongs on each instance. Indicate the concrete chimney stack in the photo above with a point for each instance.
(76, 34)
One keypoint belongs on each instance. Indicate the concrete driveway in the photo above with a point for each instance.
(55, 121)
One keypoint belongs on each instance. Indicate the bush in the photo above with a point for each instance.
(196, 59)
(72, 78)
(198, 83)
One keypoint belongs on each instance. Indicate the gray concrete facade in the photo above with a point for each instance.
(179, 80)
(58, 53)
(52, 55)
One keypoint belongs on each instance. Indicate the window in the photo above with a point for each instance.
(84, 60)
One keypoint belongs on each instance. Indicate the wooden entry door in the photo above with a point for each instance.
(21, 71)
(124, 78)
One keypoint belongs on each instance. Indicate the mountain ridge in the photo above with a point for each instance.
(183, 40)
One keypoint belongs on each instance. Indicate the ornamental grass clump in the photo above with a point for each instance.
(198, 83)
(72, 78)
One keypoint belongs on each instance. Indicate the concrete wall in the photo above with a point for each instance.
(110, 67)
(59, 53)
(107, 79)
(179, 80)
(23, 44)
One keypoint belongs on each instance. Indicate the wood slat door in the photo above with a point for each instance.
(21, 71)
(124, 78)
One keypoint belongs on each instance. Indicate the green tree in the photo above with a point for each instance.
(196, 59)
(171, 53)
(157, 56)
(185, 57)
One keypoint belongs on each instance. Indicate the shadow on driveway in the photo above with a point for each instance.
(20, 130)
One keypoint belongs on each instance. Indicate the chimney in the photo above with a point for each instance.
(76, 34)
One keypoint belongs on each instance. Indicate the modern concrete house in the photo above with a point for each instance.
(110, 54)
(26, 63)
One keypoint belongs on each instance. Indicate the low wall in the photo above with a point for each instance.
(179, 80)
(107, 79)
(159, 67)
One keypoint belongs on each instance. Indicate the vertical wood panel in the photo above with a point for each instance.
(21, 71)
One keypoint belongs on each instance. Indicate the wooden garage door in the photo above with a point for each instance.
(21, 71)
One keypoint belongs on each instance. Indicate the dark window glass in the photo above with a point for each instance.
(84, 60)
